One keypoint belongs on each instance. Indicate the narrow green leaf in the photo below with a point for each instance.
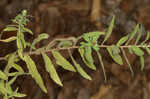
(9, 39)
(27, 30)
(20, 53)
(148, 50)
(130, 50)
(34, 72)
(13, 74)
(126, 58)
(132, 34)
(138, 37)
(94, 35)
(116, 57)
(60, 60)
(19, 44)
(147, 38)
(18, 68)
(142, 62)
(102, 64)
(65, 44)
(3, 76)
(122, 40)
(29, 45)
(3, 90)
(138, 51)
(19, 95)
(10, 28)
(86, 54)
(79, 68)
(20, 48)
(51, 69)
(81, 71)
(110, 29)
(23, 42)
(10, 82)
(11, 59)
(40, 37)
(9, 89)
(115, 49)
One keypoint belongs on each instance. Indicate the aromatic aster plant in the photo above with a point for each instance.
(87, 45)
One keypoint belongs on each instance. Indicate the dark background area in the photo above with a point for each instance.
(65, 18)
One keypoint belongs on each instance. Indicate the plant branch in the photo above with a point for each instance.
(75, 47)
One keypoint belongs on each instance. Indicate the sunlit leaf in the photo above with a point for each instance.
(86, 54)
(65, 44)
(40, 37)
(29, 45)
(22, 40)
(19, 44)
(12, 74)
(122, 40)
(11, 59)
(148, 50)
(20, 48)
(130, 50)
(60, 60)
(18, 68)
(110, 29)
(116, 57)
(132, 34)
(10, 28)
(115, 49)
(3, 90)
(138, 37)
(28, 30)
(20, 53)
(34, 72)
(138, 51)
(10, 82)
(94, 35)
(142, 62)
(147, 38)
(3, 75)
(126, 58)
(102, 64)
(9, 39)
(79, 68)
(19, 95)
(9, 89)
(51, 69)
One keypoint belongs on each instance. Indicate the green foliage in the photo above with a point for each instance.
(114, 53)
(122, 40)
(61, 61)
(34, 72)
(86, 54)
(79, 68)
(89, 42)
(51, 70)
(110, 29)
